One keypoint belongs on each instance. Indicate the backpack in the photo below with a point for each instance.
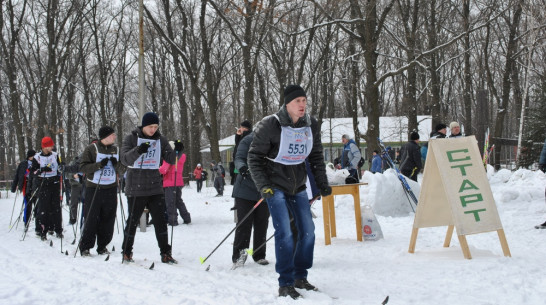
(361, 162)
(223, 170)
(204, 175)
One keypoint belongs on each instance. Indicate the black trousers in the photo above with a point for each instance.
(156, 205)
(99, 217)
(199, 185)
(48, 211)
(259, 219)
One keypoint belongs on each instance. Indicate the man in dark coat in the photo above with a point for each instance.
(142, 152)
(276, 160)
(99, 163)
(246, 195)
(410, 157)
(21, 182)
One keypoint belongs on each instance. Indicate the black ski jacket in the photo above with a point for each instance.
(265, 147)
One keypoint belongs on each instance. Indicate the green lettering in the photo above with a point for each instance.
(466, 199)
(467, 185)
(462, 168)
(451, 158)
(475, 212)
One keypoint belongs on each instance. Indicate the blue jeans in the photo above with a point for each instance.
(292, 264)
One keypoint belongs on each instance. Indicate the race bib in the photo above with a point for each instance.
(295, 145)
(151, 157)
(50, 161)
(107, 174)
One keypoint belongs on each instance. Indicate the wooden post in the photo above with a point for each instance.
(449, 234)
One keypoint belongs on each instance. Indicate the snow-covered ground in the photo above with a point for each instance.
(347, 271)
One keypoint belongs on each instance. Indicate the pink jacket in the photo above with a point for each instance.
(168, 170)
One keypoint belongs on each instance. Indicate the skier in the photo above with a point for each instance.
(218, 173)
(276, 160)
(46, 182)
(246, 195)
(21, 182)
(198, 176)
(99, 163)
(141, 152)
(173, 193)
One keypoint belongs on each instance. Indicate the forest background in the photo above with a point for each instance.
(69, 67)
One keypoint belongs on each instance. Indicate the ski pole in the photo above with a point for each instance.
(13, 208)
(203, 260)
(89, 211)
(35, 206)
(121, 207)
(251, 251)
(130, 216)
(174, 196)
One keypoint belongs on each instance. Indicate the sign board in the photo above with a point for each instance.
(455, 192)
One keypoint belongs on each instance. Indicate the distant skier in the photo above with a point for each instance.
(21, 182)
(410, 157)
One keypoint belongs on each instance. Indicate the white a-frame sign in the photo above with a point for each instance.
(455, 192)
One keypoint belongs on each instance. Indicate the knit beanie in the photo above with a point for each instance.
(30, 153)
(293, 91)
(105, 131)
(47, 142)
(150, 118)
(414, 136)
(246, 124)
(440, 126)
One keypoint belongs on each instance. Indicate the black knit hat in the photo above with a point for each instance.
(105, 131)
(247, 124)
(30, 153)
(150, 118)
(293, 91)
(440, 126)
(414, 136)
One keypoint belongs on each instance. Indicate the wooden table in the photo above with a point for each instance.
(329, 214)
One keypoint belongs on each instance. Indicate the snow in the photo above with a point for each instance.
(347, 271)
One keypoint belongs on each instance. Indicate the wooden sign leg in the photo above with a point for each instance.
(464, 247)
(449, 234)
(504, 243)
(413, 240)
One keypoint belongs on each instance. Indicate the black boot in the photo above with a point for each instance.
(289, 291)
(304, 284)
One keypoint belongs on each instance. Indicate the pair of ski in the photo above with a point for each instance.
(403, 181)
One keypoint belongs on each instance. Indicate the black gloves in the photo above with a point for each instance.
(45, 169)
(267, 192)
(114, 161)
(103, 162)
(178, 146)
(143, 148)
(244, 171)
(326, 191)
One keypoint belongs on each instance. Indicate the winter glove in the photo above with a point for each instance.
(267, 192)
(103, 162)
(244, 171)
(178, 146)
(114, 161)
(143, 148)
(326, 191)
(45, 169)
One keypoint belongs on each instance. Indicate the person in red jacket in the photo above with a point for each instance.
(173, 182)
(198, 175)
